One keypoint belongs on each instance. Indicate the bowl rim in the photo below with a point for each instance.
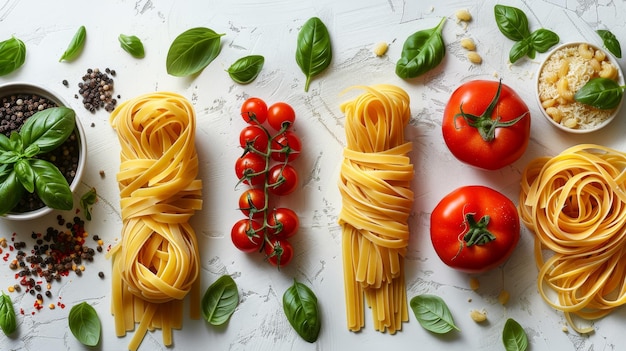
(604, 123)
(42, 90)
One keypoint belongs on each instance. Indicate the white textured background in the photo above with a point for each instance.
(270, 28)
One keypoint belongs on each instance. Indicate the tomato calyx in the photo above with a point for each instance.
(485, 124)
(477, 232)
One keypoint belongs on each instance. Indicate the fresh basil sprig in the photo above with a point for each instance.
(85, 324)
(132, 45)
(513, 23)
(314, 51)
(421, 52)
(246, 69)
(76, 45)
(601, 93)
(433, 314)
(611, 42)
(192, 51)
(514, 337)
(12, 55)
(87, 200)
(220, 300)
(300, 306)
(8, 323)
(20, 170)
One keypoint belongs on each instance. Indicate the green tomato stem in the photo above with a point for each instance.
(478, 234)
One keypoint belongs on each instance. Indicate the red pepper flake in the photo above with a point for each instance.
(6, 257)
(22, 311)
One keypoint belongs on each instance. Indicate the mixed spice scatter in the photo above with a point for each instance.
(96, 89)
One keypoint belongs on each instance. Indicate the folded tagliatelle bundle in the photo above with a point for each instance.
(156, 263)
(375, 180)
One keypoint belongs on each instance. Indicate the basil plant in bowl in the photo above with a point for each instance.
(42, 155)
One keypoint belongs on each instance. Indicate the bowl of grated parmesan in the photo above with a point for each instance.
(566, 69)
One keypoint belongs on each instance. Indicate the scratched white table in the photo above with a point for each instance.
(269, 28)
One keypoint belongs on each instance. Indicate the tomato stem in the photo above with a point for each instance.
(477, 234)
(485, 123)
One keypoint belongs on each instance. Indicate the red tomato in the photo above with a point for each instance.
(247, 235)
(252, 203)
(280, 116)
(485, 126)
(286, 146)
(282, 179)
(254, 111)
(474, 228)
(283, 223)
(279, 252)
(254, 137)
(250, 169)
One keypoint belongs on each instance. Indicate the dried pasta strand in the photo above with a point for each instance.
(575, 203)
(156, 263)
(375, 180)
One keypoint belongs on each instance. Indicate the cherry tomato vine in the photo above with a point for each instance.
(269, 148)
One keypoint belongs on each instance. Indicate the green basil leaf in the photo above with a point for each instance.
(8, 322)
(300, 306)
(520, 49)
(51, 186)
(132, 45)
(543, 39)
(12, 55)
(246, 69)
(611, 42)
(87, 200)
(9, 157)
(514, 337)
(512, 22)
(422, 51)
(602, 93)
(16, 142)
(11, 190)
(432, 313)
(76, 45)
(192, 51)
(25, 175)
(220, 300)
(314, 50)
(5, 143)
(84, 324)
(48, 128)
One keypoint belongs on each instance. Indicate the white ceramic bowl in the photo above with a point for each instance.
(29, 88)
(578, 130)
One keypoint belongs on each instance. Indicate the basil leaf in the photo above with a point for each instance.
(246, 69)
(11, 190)
(12, 55)
(433, 313)
(48, 128)
(132, 45)
(314, 50)
(514, 337)
(602, 93)
(76, 45)
(422, 51)
(84, 324)
(192, 51)
(611, 42)
(300, 306)
(9, 157)
(543, 39)
(8, 322)
(512, 22)
(87, 200)
(520, 49)
(220, 300)
(25, 175)
(5, 143)
(51, 186)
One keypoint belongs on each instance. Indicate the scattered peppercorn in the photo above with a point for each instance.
(96, 89)
(65, 82)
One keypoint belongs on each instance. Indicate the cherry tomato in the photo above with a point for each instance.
(254, 137)
(283, 223)
(252, 203)
(280, 115)
(486, 124)
(247, 235)
(279, 252)
(254, 111)
(286, 146)
(474, 228)
(250, 169)
(282, 179)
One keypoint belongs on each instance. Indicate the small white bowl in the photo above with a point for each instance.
(608, 119)
(29, 88)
